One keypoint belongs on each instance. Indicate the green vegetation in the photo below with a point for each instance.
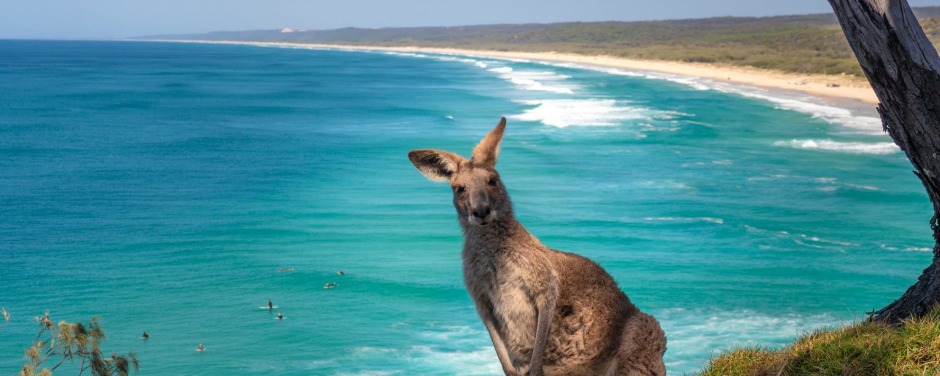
(866, 348)
(799, 44)
(73, 342)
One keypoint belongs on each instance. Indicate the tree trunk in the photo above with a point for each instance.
(904, 70)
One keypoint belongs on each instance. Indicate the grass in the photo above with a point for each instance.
(865, 348)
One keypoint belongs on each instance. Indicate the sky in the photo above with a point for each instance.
(68, 19)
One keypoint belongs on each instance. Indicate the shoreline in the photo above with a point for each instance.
(833, 89)
(849, 87)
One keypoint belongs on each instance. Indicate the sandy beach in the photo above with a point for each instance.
(837, 87)
(848, 87)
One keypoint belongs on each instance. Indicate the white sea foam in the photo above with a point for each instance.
(440, 57)
(474, 62)
(695, 335)
(667, 184)
(536, 80)
(786, 101)
(563, 113)
(694, 82)
(804, 240)
(369, 373)
(722, 162)
(546, 80)
(481, 361)
(477, 358)
(450, 350)
(879, 148)
(718, 221)
(863, 187)
(824, 180)
(830, 114)
(904, 249)
(849, 121)
(408, 54)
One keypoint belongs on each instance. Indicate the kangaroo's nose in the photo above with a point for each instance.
(480, 209)
(481, 212)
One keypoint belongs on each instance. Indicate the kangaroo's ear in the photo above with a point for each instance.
(485, 153)
(435, 164)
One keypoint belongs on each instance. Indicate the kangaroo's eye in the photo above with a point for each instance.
(458, 189)
(493, 182)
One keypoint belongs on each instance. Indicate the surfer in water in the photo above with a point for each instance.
(145, 336)
(280, 316)
(200, 348)
(270, 305)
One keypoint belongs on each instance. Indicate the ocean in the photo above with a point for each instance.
(174, 188)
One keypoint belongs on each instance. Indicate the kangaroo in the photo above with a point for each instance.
(547, 312)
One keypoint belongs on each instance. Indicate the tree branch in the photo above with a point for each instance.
(904, 70)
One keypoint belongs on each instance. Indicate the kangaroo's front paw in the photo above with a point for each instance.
(518, 371)
(526, 371)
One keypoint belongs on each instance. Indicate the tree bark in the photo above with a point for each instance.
(904, 70)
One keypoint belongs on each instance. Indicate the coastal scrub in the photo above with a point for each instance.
(866, 348)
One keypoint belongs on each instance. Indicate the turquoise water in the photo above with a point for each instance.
(161, 187)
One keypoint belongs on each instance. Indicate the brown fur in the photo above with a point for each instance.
(547, 312)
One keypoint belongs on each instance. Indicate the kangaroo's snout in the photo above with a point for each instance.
(480, 211)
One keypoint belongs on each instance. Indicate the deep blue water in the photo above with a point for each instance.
(161, 186)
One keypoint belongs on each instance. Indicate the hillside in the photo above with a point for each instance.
(800, 44)
(865, 348)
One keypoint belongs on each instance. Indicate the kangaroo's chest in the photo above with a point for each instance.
(506, 286)
(498, 280)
